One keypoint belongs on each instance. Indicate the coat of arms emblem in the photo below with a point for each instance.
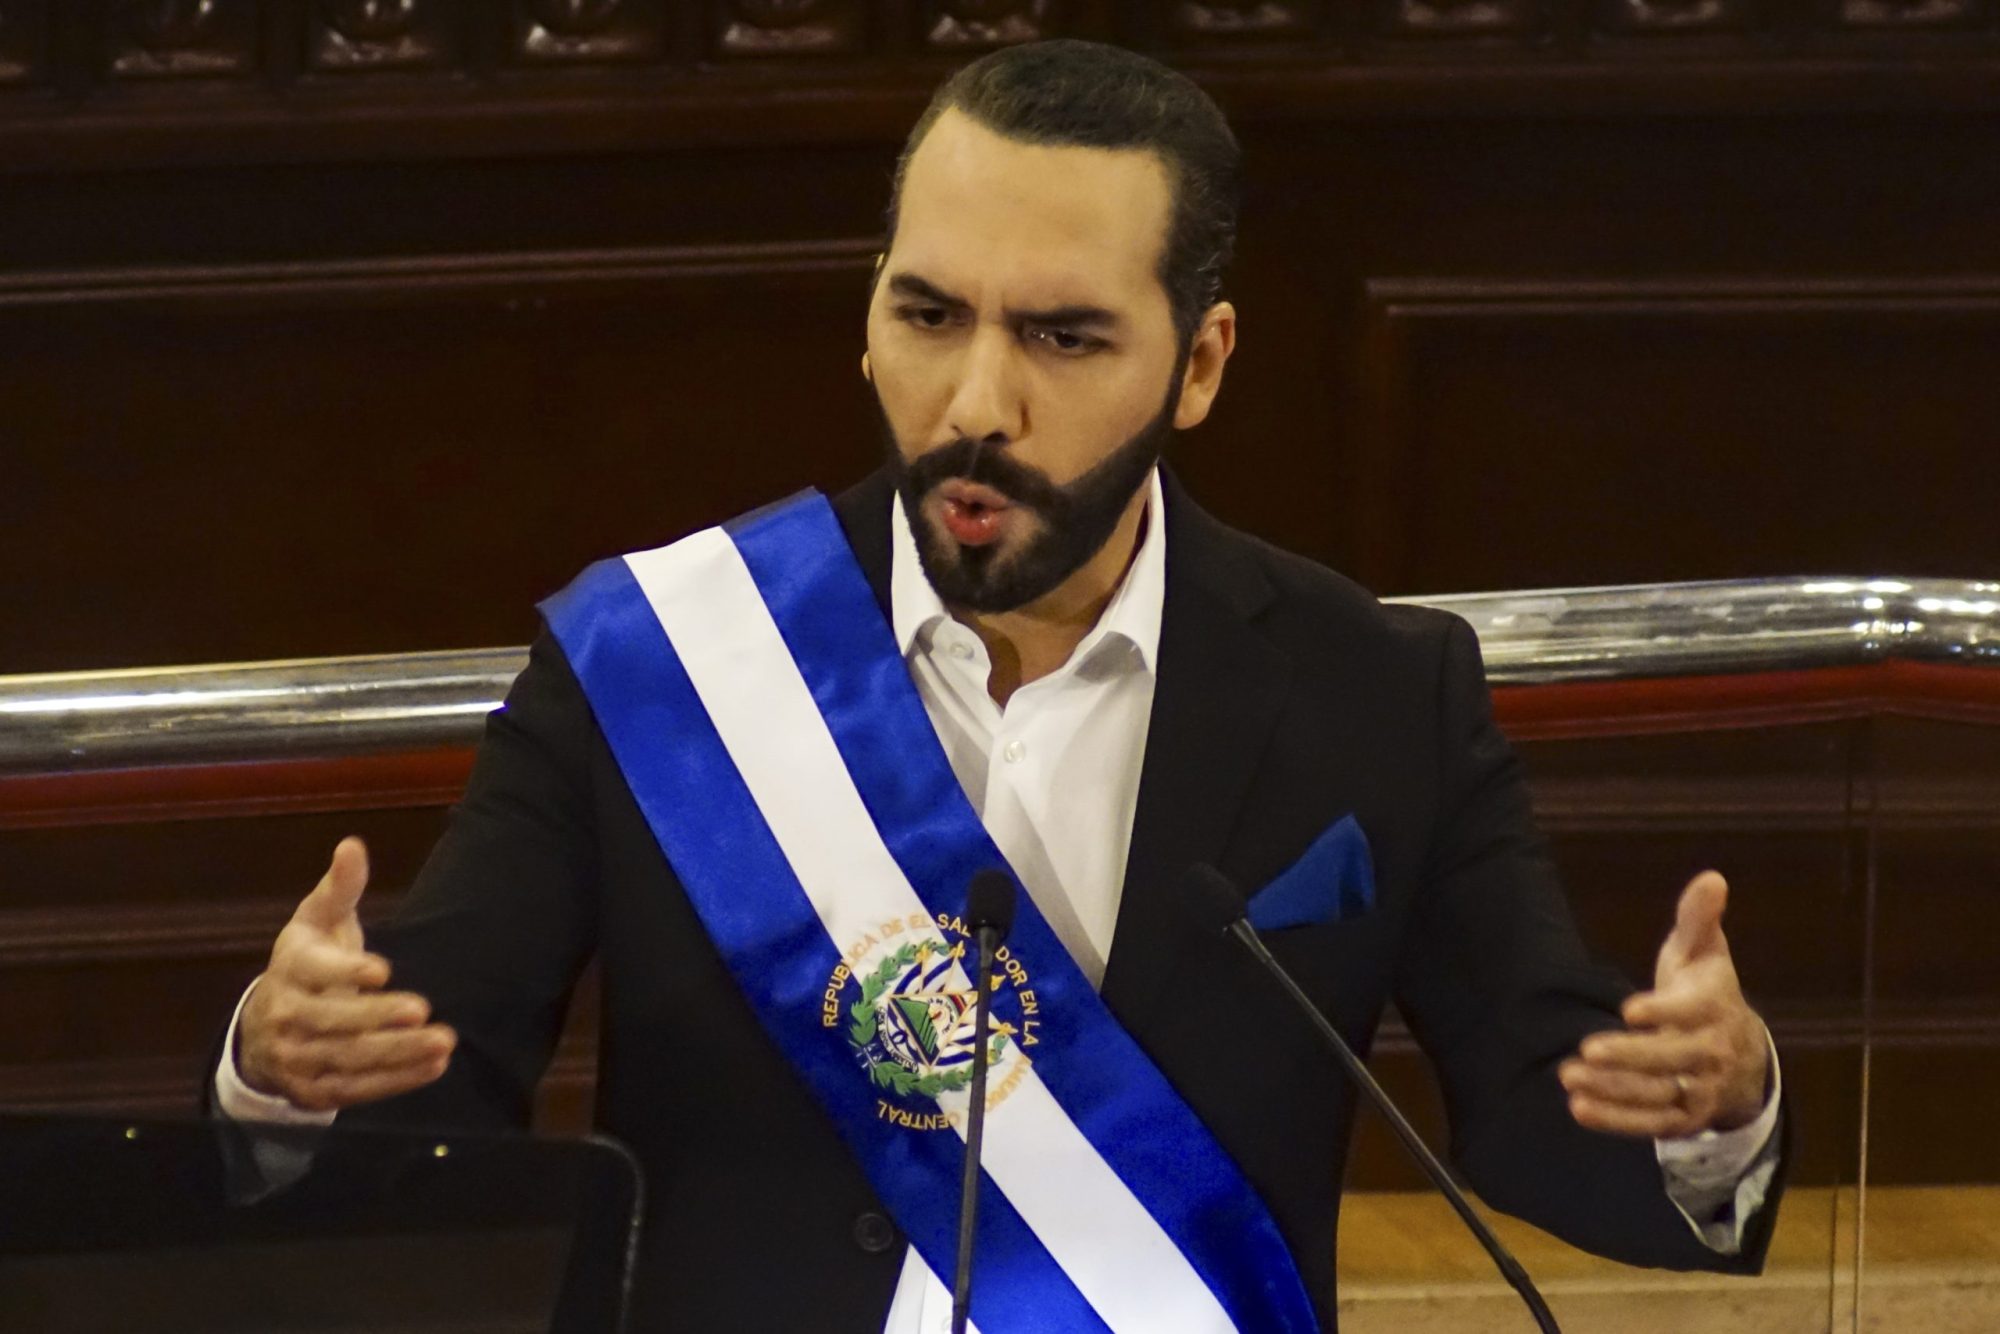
(902, 1000)
(912, 1029)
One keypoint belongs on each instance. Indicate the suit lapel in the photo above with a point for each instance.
(865, 512)
(1221, 687)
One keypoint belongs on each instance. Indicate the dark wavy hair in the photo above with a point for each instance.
(1086, 94)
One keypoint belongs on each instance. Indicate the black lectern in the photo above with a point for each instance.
(156, 1227)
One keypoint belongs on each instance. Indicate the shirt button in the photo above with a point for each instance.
(959, 650)
(873, 1233)
(1015, 751)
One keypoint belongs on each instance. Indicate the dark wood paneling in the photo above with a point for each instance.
(1558, 341)
(1933, 1000)
(1600, 429)
(1745, 429)
(1863, 857)
(423, 452)
(261, 787)
(120, 84)
(160, 866)
(331, 327)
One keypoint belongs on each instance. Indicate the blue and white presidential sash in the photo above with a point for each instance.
(753, 695)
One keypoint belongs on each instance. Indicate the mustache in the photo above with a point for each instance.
(969, 460)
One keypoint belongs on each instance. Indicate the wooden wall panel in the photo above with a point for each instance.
(123, 947)
(337, 327)
(1750, 428)
(368, 457)
(1424, 304)
(1933, 1000)
(133, 940)
(1556, 293)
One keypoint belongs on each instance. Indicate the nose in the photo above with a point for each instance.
(986, 403)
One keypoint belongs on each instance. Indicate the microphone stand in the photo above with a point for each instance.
(975, 1128)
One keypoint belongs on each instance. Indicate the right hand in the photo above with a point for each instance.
(318, 1029)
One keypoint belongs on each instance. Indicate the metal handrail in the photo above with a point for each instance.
(314, 707)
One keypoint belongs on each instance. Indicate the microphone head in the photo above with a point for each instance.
(1215, 903)
(989, 901)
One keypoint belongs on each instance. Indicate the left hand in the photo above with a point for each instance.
(1694, 1056)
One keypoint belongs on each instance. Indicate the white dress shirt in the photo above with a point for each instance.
(1055, 777)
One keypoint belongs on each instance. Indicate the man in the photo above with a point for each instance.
(705, 769)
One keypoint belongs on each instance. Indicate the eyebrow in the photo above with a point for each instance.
(910, 285)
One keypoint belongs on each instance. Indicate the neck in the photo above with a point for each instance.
(1028, 643)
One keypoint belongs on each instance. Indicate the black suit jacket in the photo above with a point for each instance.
(1287, 697)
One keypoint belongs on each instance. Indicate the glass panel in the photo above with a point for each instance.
(1927, 1231)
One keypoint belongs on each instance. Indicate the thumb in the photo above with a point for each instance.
(335, 899)
(1697, 929)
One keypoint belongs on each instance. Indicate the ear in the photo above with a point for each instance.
(1202, 380)
(874, 277)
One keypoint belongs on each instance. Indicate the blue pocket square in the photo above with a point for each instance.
(1333, 881)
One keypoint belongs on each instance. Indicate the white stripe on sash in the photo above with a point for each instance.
(922, 1304)
(1123, 1263)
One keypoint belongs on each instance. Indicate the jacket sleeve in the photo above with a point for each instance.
(498, 924)
(1499, 990)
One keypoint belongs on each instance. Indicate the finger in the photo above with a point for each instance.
(1627, 1088)
(1698, 917)
(315, 965)
(1684, 1006)
(1615, 1119)
(383, 1051)
(331, 1091)
(1664, 1052)
(311, 1015)
(335, 900)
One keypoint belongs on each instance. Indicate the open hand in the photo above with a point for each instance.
(1694, 1055)
(318, 1029)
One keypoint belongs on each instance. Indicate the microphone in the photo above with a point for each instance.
(1219, 907)
(989, 915)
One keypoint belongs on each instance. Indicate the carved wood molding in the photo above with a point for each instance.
(147, 1085)
(1808, 1027)
(278, 787)
(1404, 320)
(136, 1086)
(211, 929)
(138, 81)
(408, 276)
(34, 937)
(169, 1085)
(1754, 699)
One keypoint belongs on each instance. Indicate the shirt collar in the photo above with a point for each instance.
(1133, 614)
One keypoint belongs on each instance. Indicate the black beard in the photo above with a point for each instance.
(1077, 518)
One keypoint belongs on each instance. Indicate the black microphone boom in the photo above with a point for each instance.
(989, 915)
(1219, 907)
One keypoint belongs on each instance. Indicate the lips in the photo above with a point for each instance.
(975, 515)
(976, 495)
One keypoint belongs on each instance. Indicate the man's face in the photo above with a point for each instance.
(1024, 354)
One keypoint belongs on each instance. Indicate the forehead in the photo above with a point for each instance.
(979, 210)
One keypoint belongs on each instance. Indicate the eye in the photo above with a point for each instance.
(924, 317)
(1064, 342)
